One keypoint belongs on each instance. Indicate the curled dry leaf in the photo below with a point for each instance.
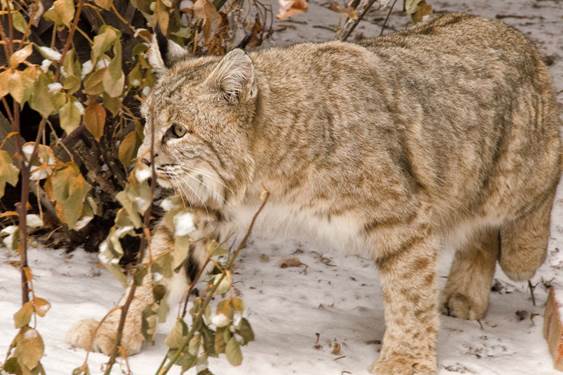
(291, 262)
(348, 11)
(336, 348)
(289, 8)
(418, 9)
(205, 10)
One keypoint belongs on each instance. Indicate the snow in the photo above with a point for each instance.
(54, 87)
(183, 224)
(45, 64)
(50, 53)
(34, 221)
(87, 68)
(78, 106)
(220, 320)
(339, 299)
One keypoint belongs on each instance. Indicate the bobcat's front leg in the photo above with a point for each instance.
(408, 277)
(83, 334)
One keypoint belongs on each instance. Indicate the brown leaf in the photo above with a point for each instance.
(163, 17)
(20, 56)
(291, 262)
(289, 8)
(23, 315)
(347, 11)
(128, 148)
(30, 348)
(205, 10)
(336, 348)
(95, 119)
(417, 9)
(61, 12)
(41, 306)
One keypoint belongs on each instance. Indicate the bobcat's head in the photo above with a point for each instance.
(200, 112)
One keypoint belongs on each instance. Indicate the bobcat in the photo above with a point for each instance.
(447, 133)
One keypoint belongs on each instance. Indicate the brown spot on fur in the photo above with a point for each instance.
(421, 263)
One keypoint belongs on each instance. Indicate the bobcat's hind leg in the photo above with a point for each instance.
(466, 294)
(83, 334)
(524, 241)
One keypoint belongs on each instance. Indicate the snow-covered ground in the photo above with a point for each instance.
(332, 295)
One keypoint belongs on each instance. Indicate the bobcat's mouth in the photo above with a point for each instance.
(196, 185)
(164, 180)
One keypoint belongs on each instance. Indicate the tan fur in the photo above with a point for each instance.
(396, 145)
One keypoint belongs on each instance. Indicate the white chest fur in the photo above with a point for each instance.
(342, 232)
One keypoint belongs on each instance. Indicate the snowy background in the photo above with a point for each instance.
(333, 297)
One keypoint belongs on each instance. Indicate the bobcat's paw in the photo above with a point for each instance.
(81, 335)
(463, 307)
(403, 365)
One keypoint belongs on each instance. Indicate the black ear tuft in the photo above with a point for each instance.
(162, 43)
(163, 52)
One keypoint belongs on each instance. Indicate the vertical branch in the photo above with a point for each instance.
(145, 242)
(21, 206)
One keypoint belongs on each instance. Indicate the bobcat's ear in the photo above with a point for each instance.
(234, 77)
(163, 52)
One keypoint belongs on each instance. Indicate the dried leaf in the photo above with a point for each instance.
(206, 11)
(220, 344)
(194, 344)
(162, 16)
(417, 9)
(41, 99)
(11, 366)
(19, 22)
(93, 82)
(177, 336)
(4, 86)
(349, 12)
(20, 56)
(245, 331)
(114, 79)
(233, 352)
(70, 115)
(289, 8)
(68, 188)
(291, 262)
(61, 12)
(8, 172)
(238, 304)
(23, 315)
(103, 42)
(82, 370)
(95, 119)
(224, 282)
(30, 348)
(41, 306)
(128, 148)
(21, 83)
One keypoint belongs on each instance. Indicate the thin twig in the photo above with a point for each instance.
(144, 244)
(532, 287)
(357, 21)
(387, 18)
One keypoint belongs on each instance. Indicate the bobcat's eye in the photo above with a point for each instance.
(178, 130)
